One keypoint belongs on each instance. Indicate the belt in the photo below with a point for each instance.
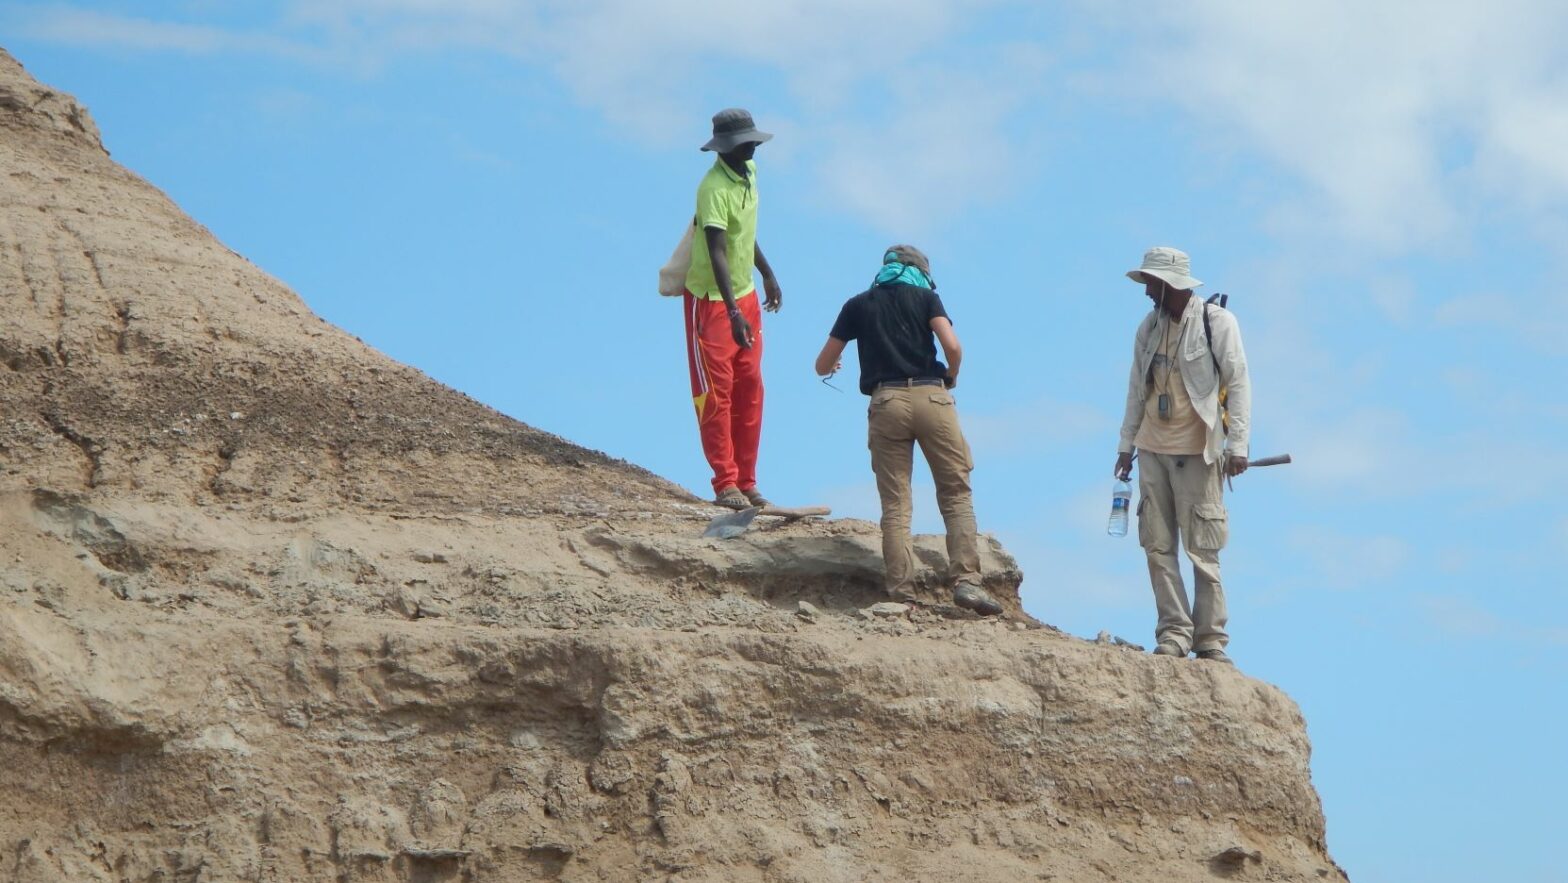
(911, 381)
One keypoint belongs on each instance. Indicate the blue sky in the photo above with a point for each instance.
(485, 189)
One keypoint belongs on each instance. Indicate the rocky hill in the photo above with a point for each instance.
(277, 608)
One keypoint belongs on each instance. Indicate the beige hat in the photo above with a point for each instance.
(1169, 264)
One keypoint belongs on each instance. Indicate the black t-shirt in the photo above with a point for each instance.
(893, 324)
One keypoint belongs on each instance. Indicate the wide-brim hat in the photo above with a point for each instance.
(733, 127)
(1170, 264)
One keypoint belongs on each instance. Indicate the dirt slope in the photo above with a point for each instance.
(277, 608)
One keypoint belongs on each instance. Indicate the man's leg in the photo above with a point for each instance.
(892, 444)
(947, 453)
(709, 355)
(1157, 534)
(1200, 507)
(746, 397)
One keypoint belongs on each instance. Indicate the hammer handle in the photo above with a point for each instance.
(1280, 460)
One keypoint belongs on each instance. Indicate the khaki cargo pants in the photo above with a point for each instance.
(898, 418)
(1181, 495)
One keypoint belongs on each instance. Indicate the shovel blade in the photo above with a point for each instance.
(731, 524)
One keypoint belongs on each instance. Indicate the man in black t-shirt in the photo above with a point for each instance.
(894, 322)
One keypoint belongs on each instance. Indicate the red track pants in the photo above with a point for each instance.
(726, 387)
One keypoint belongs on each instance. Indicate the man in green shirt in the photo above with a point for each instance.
(723, 319)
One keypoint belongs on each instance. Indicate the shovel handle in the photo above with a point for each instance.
(1279, 460)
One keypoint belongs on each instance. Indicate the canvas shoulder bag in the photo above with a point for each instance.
(672, 276)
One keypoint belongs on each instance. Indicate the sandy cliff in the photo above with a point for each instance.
(277, 608)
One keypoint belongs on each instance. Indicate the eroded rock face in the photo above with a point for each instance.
(276, 608)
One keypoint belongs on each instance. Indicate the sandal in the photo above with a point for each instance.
(732, 498)
(756, 498)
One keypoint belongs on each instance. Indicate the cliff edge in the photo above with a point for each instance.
(275, 607)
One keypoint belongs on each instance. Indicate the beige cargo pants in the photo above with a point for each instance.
(1181, 495)
(898, 418)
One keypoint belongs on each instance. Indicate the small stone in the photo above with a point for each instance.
(1104, 637)
(807, 611)
(1237, 856)
(888, 609)
(407, 603)
(434, 607)
(429, 557)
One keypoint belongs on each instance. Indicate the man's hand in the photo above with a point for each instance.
(951, 380)
(775, 295)
(740, 329)
(1124, 466)
(1235, 465)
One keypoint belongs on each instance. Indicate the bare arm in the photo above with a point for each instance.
(828, 361)
(770, 284)
(950, 347)
(719, 255)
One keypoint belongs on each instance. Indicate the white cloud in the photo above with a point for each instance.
(1343, 560)
(1403, 121)
(657, 69)
(1538, 317)
(1035, 429)
(81, 27)
(1401, 117)
(1463, 618)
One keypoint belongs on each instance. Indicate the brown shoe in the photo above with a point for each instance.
(1170, 648)
(1216, 655)
(732, 498)
(756, 498)
(971, 597)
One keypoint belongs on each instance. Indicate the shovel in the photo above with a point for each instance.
(731, 524)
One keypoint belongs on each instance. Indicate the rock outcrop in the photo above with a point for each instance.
(277, 608)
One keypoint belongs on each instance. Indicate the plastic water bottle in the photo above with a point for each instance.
(1121, 502)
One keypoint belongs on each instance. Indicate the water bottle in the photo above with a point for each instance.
(1121, 502)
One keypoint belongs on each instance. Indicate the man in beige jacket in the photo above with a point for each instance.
(1184, 354)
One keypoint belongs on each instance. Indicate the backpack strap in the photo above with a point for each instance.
(1208, 337)
(1208, 331)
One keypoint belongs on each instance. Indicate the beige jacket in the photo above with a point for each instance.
(1198, 376)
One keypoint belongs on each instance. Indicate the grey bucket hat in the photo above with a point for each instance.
(1170, 264)
(733, 127)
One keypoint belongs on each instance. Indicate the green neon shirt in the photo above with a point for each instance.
(727, 201)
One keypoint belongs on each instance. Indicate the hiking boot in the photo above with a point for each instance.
(1169, 648)
(757, 499)
(1216, 655)
(971, 597)
(732, 498)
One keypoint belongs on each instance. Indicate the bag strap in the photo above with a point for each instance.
(1208, 332)
(1208, 337)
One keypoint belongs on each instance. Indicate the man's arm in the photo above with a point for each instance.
(1232, 360)
(950, 347)
(1132, 413)
(770, 285)
(828, 361)
(719, 255)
